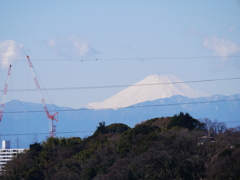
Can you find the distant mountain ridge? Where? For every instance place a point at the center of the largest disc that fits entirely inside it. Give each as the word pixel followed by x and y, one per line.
pixel 149 89
pixel 28 122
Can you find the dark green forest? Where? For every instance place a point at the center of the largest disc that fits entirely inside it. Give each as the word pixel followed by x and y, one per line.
pixel 178 147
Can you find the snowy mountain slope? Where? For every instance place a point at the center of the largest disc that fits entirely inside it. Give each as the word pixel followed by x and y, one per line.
pixel 149 89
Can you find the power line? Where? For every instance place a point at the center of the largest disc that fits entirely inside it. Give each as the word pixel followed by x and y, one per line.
pixel 131 58
pixel 129 107
pixel 76 132
pixel 46 133
pixel 126 85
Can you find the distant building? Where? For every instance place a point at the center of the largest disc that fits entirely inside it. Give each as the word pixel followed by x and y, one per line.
pixel 6 154
pixel 205 139
pixel 5 144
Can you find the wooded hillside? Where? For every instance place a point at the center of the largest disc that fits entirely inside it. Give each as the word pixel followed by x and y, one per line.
pixel 178 147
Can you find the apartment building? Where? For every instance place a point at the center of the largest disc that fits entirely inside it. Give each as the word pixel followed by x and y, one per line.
pixel 6 154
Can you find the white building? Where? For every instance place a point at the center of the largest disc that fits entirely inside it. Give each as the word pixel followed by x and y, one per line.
pixel 6 154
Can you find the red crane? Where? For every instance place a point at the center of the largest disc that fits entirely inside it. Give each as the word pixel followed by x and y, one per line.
pixel 52 127
pixel 5 92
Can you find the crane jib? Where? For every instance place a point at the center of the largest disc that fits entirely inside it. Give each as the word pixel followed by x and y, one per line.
pixel 52 129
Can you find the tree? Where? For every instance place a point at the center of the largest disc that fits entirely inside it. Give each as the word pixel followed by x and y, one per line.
pixel 117 128
pixel 113 128
pixel 185 121
pixel 213 127
pixel 144 152
pixel 101 129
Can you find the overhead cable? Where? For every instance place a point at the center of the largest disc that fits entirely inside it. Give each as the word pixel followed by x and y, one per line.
pixel 77 132
pixel 45 133
pixel 129 107
pixel 130 58
pixel 126 85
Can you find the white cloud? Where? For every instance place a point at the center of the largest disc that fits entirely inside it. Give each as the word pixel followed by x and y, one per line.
pixel 10 51
pixel 72 47
pixel 221 47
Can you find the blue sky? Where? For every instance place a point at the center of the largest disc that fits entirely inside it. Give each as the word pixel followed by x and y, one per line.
pixel 193 40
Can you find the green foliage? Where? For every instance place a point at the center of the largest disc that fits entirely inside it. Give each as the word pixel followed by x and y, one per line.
pixel 84 154
pixel 101 129
pixel 185 121
pixel 89 173
pixel 113 128
pixel 36 147
pixel 143 129
pixel 117 128
pixel 147 151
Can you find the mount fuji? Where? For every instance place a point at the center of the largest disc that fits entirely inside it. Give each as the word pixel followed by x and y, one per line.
pixel 151 88
pixel 154 96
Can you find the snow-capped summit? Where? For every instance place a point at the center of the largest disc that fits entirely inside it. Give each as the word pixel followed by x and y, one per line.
pixel 151 88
